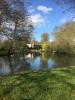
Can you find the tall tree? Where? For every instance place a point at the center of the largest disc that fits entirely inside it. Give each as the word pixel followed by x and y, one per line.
pixel 65 32
pixel 65 36
pixel 45 37
pixel 17 25
pixel 4 10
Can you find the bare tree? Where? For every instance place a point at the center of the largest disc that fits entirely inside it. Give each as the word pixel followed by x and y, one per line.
pixel 65 36
pixel 17 24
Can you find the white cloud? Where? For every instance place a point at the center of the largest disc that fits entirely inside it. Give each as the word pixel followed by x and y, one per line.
pixel 67 19
pixel 37 20
pixel 44 9
pixel 73 19
pixel 64 20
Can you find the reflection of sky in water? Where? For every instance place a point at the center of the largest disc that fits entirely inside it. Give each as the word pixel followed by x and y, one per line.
pixel 5 70
pixel 36 63
pixel 29 62
pixel 51 63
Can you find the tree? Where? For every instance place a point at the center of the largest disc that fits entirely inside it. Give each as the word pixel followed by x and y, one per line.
pixel 45 37
pixel 17 24
pixel 65 32
pixel 4 10
pixel 20 18
pixel 65 36
pixel 46 47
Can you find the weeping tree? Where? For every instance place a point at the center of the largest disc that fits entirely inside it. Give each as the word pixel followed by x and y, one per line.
pixel 17 24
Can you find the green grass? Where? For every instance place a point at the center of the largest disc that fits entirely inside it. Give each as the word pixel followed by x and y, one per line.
pixel 56 84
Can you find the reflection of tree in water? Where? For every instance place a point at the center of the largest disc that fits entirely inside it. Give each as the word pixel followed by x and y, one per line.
pixel 64 61
pixel 35 54
pixel 44 60
pixel 4 65
pixel 34 59
pixel 57 61
pixel 18 63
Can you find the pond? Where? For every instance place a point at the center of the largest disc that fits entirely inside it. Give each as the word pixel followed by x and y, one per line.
pixel 33 62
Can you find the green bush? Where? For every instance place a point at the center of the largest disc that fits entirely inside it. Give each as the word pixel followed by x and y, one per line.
pixel 46 46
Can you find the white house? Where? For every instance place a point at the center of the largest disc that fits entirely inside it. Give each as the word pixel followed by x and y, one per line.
pixel 29 45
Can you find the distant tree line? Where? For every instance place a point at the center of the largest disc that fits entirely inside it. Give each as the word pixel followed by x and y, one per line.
pixel 64 40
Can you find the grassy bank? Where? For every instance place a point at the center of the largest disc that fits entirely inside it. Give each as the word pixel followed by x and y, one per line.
pixel 56 84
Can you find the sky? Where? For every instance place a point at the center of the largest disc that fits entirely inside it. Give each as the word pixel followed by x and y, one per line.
pixel 46 15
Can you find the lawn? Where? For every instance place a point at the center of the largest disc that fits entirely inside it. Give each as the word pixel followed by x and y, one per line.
pixel 55 84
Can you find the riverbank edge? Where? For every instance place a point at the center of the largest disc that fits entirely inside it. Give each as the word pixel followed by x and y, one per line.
pixel 39 71
pixel 7 53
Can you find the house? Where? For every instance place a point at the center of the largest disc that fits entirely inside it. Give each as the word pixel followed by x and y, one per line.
pixel 34 45
pixel 31 45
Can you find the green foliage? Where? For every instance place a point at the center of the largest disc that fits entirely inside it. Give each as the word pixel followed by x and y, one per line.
pixel 46 46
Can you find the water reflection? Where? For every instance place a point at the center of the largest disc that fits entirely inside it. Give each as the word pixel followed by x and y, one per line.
pixel 33 61
pixel 4 66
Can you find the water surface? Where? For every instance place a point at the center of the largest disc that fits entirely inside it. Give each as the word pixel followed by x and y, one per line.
pixel 31 62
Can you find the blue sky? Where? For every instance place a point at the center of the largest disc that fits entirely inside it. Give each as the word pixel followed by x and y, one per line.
pixel 46 15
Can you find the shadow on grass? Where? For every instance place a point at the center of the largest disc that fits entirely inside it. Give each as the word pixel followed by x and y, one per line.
pixel 50 85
